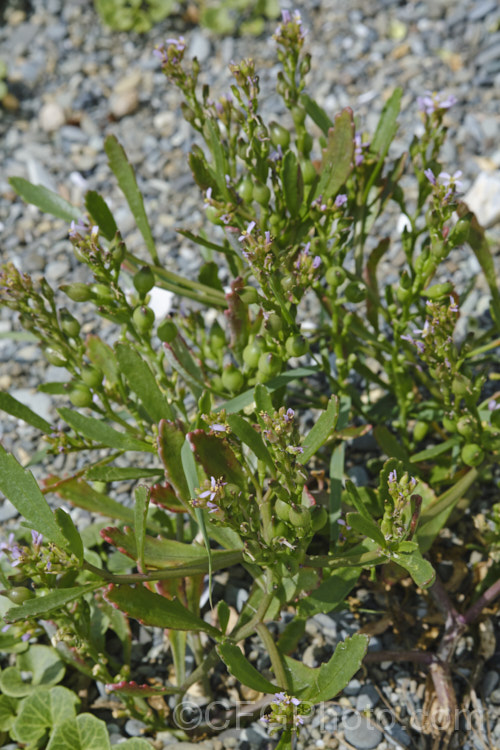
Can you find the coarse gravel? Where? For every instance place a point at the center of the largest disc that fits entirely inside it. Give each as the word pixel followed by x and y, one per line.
pixel 73 82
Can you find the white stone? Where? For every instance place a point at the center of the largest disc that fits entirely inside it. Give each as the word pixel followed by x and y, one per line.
pixel 483 198
pixel 51 117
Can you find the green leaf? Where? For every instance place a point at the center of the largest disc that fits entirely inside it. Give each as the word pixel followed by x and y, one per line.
pixel 293 184
pixel 44 663
pixel 143 382
pixel 83 732
pixel 42 710
pixel 321 431
pixel 180 360
pixel 248 397
pixel 68 528
pixel 356 501
pixel 46 200
pixel 337 161
pixel 128 185
pixel 170 443
pixel 223 614
pixel 263 401
pixel 20 487
pixel 366 526
pixel 100 213
pixel 101 432
pixel 420 570
pixel 239 666
pixel 191 474
pixel 316 113
pixel 219 158
pixel 80 493
pixel 390 444
pixel 8 712
pixel 331 593
pixel 103 357
pixel 246 433
pixel 433 451
pixel 285 742
pixel 157 611
pixel 142 495
pixel 387 126
pixel 337 461
pixel 43 605
pixel 16 409
pixel 120 473
pixel 326 681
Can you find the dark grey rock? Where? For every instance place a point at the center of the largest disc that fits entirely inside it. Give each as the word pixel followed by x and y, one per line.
pixel 360 733
pixel 367 698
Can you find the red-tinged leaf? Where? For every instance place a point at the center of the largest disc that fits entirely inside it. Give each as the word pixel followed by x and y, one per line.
pixel 216 457
pixel 164 496
pixel 237 316
pixel 170 441
pixel 337 161
pixel 139 691
pixel 154 610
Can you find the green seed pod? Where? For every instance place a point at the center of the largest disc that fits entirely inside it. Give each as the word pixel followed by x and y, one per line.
pixel 449 424
pixel 118 254
pixel 420 430
pixel 305 143
pixel 80 395
pixel 355 292
pixel 335 276
pixel 282 510
pixel 300 517
pixel 279 529
pixel 167 331
pixel 319 516
pixel 308 170
pixel 460 232
pixel 274 324
pixel 438 290
pixel 77 291
pixel 144 280
pixel 20 594
pixel 465 427
pixel 91 376
pixel 245 189
pixel 103 293
pixel 232 378
pixel 298 115
pixel 262 194
pixel 143 318
pixel 217 338
pixel 279 135
pixel 253 350
pixel 69 323
pixel 472 454
pixel 269 364
pixel 461 385
pixel 55 357
pixel 296 346
pixel 212 215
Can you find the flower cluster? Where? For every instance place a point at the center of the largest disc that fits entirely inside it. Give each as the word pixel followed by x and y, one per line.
pixel 396 520
pixel 433 102
pixel 210 492
pixel 290 33
pixel 446 186
pixel 286 712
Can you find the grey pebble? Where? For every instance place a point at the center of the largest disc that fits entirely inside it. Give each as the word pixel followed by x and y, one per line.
pixel 135 728
pixel 40 403
pixel 490 681
pixel 367 698
pixel 353 687
pixel 360 733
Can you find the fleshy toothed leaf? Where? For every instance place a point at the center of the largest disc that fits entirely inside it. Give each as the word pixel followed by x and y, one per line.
pixel 141 494
pixel 46 200
pixel 41 711
pixel 316 113
pixel 157 611
pixel 337 161
pixel 142 382
pixel 20 487
pixel 139 691
pixel 101 432
pixel 366 526
pixel 41 606
pixel 387 126
pixel 248 435
pixel 217 457
pixel 82 495
pixel 331 593
pixel 325 682
pixel 434 451
pixel 239 666
pixel 125 176
pixel 321 431
pixel 170 441
pixel 18 410
pixel 100 213
pixel 420 570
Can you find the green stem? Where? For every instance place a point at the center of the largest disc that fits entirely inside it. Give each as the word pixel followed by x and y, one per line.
pixel 275 656
pixel 239 633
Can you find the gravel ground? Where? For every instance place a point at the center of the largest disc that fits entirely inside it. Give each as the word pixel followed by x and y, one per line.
pixel 74 82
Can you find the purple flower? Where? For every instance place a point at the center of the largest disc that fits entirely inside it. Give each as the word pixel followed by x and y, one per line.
pixel 179 44
pixel 451 181
pixel 432 102
pixel 340 200
pixel 246 232
pixel 393 477
pixel 279 697
pixel 36 538
pixel 285 16
pixel 26 636
pixel 453 305
pixel 295 701
pixel 212 507
pixel 430 176
pixel 289 415
pixel 316 262
pixel 218 427
pixel 493 405
pixel 78 228
pixel 267 237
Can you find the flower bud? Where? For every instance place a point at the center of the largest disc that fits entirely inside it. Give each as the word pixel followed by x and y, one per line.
pixel 436 291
